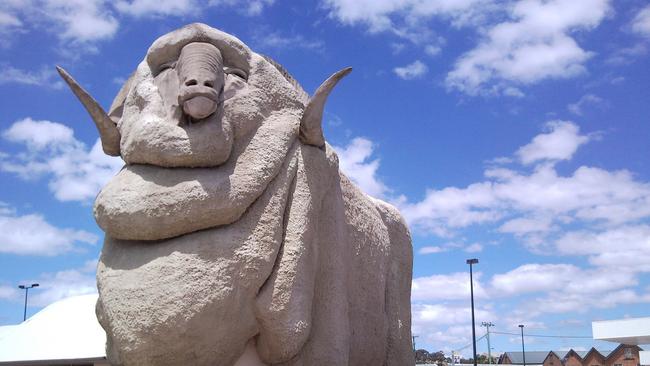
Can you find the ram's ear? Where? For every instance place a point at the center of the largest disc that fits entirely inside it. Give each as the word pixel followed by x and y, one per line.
pixel 116 109
pixel 108 132
pixel 311 125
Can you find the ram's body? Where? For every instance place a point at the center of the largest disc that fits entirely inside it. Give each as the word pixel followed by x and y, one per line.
pixel 236 239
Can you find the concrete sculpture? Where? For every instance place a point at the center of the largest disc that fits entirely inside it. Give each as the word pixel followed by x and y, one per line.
pixel 231 236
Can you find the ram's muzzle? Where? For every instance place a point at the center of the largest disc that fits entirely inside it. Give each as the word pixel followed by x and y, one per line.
pixel 201 76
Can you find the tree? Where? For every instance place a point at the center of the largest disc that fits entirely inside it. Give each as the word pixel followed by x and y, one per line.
pixel 484 359
pixel 423 356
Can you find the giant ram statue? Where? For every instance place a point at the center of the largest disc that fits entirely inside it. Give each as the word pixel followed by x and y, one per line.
pixel 232 238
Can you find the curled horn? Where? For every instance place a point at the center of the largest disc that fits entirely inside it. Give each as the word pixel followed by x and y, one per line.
pixel 108 132
pixel 311 125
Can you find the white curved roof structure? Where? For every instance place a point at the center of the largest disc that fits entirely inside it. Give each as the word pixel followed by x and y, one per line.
pixel 627 331
pixel 66 332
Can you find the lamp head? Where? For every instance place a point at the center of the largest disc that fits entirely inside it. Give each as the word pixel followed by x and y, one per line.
pixel 472 261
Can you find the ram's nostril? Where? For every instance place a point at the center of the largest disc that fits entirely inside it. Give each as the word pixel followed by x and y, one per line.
pixel 191 82
pixel 209 84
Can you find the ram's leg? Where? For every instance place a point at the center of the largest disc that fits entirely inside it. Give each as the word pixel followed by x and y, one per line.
pixel 284 303
pixel 398 288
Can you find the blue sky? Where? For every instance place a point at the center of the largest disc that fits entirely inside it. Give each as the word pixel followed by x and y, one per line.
pixel 512 131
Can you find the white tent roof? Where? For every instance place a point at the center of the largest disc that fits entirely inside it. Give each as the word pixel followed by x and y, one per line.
pixel 627 331
pixel 65 330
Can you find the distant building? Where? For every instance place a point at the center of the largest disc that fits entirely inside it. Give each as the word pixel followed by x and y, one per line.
pixel 623 355
pixel 532 358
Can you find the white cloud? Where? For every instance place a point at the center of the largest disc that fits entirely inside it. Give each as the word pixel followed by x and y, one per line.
pixel 354 162
pixel 144 8
pixel 451 245
pixel 256 7
pixel 75 173
pixel 63 284
pixel 560 278
pixel 9 20
pixel 56 286
pixel 397 47
pixel 453 286
pixel 8 292
pixel 511 91
pixel 641 22
pixel 393 15
pixel 432 50
pixel 445 337
pixel 565 302
pixel 81 20
pixel 80 24
pixel 432 250
pixel 566 288
pixel 414 70
pixel 541 201
pixel 588 99
pixel 45 77
pixel 535 45
pixel 439 314
pixel 411 19
pixel 75 22
pixel 32 235
pixel 247 7
pixel 39 135
pixel 276 40
pixel 453 207
pixel 474 248
pixel 560 143
pixel 446 323
pixel 625 247
pixel 589 194
pixel 527 225
pixel 628 55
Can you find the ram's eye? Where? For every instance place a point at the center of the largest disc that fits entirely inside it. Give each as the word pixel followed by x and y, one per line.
pixel 166 66
pixel 237 72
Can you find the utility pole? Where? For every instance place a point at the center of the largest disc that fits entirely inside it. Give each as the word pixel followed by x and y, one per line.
pixel 414 352
pixel 488 325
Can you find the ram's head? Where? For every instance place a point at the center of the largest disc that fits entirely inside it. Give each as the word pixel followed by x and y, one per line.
pixel 195 94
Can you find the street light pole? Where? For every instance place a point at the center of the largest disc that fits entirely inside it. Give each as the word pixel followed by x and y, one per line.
pixel 414 351
pixel 523 349
pixel 471 289
pixel 26 288
pixel 488 325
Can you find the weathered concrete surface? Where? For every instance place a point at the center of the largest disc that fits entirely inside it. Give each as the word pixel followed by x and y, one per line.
pixel 232 238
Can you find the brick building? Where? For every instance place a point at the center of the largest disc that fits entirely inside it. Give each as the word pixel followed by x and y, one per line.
pixel 623 355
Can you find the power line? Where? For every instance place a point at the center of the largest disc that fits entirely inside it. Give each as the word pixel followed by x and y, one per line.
pixel 516 334
pixel 542 335
pixel 468 345
pixel 487 335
